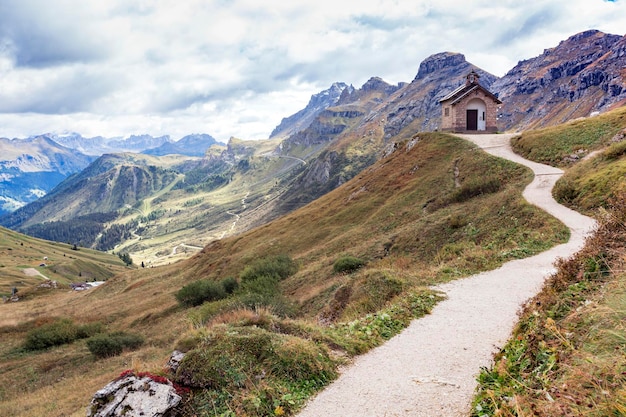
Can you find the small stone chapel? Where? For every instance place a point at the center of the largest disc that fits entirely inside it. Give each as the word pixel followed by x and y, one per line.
pixel 471 108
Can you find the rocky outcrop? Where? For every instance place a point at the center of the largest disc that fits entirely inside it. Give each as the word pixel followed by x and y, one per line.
pixel 375 89
pixel 320 170
pixel 438 63
pixel 581 75
pixel 418 103
pixel 318 103
pixel 134 396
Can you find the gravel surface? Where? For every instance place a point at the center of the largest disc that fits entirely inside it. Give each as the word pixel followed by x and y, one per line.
pixel 430 368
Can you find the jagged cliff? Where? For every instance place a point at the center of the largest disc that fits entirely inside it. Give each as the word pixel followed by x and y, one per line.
pixel 303 118
pixel 438 75
pixel 582 75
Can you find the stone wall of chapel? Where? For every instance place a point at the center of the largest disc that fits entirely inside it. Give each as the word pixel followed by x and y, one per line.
pixel 458 114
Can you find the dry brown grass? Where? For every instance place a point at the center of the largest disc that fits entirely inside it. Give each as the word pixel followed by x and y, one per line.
pixel 396 215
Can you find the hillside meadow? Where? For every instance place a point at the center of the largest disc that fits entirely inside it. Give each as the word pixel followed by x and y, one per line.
pixel 26 262
pixel 313 289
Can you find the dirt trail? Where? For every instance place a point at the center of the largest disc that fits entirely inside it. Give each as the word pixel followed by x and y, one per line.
pixel 430 368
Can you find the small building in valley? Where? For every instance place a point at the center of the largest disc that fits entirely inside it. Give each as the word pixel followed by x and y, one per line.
pixel 471 108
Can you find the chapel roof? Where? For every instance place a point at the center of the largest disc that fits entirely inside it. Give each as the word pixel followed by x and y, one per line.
pixel 461 92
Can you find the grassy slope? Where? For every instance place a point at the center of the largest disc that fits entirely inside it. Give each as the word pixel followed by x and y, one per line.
pixel 553 144
pixel 19 252
pixel 404 216
pixel 566 356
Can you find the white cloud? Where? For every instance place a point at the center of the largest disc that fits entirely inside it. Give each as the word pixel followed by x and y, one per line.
pixel 236 67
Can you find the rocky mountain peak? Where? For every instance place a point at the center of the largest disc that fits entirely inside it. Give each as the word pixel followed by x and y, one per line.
pixel 583 35
pixel 375 84
pixel 317 103
pixel 585 69
pixel 438 62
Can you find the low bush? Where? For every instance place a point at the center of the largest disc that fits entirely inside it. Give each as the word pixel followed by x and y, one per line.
pixel 265 373
pixel 199 292
pixel 371 291
pixel 58 333
pixel 615 151
pixel 229 284
pixel 347 264
pixel 278 267
pixel 107 345
pixel 277 303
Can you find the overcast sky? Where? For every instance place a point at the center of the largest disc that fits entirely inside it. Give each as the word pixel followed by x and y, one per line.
pixel 237 67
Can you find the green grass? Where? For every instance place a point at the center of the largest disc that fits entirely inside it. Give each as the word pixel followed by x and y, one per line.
pixel 589 185
pixel 566 356
pixel 553 144
pixel 19 252
pixel 255 363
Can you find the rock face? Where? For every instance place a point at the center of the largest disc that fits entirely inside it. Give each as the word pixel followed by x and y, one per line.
pixel 135 396
pixel 444 61
pixel 418 104
pixel 583 74
pixel 317 103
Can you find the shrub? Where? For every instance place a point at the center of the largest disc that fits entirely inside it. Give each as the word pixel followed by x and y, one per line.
pixel 615 151
pixel 263 285
pixel 107 345
pixel 57 333
pixel 237 356
pixel 125 257
pixel 103 345
pixel 348 264
pixel 276 303
pixel 230 284
pixel 89 330
pixel 278 267
pixel 264 291
pixel 198 292
pixel 372 291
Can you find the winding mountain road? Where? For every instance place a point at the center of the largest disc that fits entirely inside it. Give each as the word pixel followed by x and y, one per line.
pixel 430 368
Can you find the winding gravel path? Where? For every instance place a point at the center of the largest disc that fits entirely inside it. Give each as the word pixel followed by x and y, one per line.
pixel 430 368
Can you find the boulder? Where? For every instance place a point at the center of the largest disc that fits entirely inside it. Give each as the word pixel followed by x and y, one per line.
pixel 135 396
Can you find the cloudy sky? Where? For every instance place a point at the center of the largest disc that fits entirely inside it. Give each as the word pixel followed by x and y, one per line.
pixel 236 67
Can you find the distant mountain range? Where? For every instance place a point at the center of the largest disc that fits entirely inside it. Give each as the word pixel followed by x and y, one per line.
pixel 318 103
pixel 342 130
pixel 191 145
pixel 31 167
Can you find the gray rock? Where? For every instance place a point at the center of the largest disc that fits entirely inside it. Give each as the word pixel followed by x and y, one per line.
pixel 174 362
pixel 133 396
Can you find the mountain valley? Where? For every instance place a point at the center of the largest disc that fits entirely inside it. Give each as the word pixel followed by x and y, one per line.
pixel 230 188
